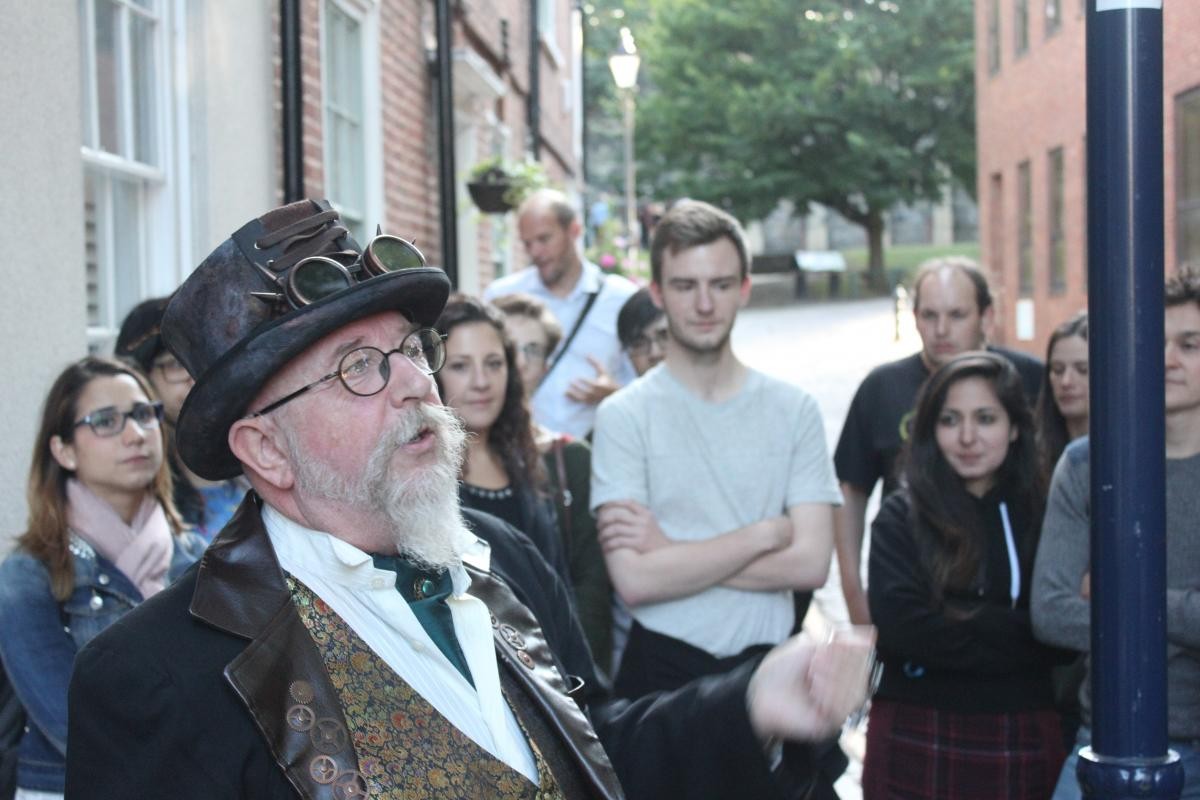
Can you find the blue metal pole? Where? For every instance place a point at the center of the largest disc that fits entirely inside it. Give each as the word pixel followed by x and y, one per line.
pixel 1128 757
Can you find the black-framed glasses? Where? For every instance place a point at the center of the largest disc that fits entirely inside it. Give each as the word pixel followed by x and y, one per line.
pixel 317 277
pixel 364 371
pixel 641 345
pixel 172 371
pixel 109 421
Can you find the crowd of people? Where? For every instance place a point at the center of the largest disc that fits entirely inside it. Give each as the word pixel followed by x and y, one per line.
pixel 322 528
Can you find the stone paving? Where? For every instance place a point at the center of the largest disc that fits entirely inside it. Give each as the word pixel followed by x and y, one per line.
pixel 827 349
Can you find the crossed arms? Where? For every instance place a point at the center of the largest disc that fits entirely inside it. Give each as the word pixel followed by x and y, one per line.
pixel 790 551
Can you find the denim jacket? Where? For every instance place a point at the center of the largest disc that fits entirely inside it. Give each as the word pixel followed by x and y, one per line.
pixel 39 638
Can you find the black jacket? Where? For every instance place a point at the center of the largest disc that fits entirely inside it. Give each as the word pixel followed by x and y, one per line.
pixel 185 696
pixel 973 652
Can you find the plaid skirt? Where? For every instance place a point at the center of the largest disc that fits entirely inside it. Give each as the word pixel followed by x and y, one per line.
pixel 920 753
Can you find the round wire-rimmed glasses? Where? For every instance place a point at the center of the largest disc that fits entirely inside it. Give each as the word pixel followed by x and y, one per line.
pixel 364 371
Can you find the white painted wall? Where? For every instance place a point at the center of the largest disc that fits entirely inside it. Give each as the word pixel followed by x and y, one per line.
pixel 42 322
pixel 232 107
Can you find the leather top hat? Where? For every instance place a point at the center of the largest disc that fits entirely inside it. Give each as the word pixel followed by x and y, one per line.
pixel 241 316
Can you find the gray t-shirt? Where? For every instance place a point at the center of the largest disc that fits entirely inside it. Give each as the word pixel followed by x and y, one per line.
pixel 704 469
pixel 1061 615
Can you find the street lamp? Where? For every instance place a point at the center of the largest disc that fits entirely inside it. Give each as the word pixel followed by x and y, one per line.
pixel 624 65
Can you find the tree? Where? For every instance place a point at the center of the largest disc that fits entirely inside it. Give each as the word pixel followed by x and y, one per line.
pixel 854 104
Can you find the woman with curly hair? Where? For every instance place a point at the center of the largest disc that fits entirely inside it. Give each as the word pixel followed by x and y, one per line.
pixel 965 707
pixel 503 472
pixel 103 536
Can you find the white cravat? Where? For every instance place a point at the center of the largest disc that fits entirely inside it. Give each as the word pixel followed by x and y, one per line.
pixel 365 597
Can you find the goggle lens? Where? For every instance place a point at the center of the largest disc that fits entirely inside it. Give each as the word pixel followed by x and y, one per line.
pixel 315 278
pixel 391 254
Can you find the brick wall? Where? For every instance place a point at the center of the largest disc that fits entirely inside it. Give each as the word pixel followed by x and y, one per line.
pixel 1036 102
pixel 408 111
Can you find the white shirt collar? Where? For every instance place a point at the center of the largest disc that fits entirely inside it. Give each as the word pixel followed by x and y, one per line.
pixel 340 562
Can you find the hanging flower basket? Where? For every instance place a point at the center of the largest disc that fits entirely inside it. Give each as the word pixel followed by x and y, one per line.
pixel 491 198
pixel 497 186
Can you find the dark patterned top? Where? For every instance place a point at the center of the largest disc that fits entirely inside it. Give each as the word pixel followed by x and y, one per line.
pixel 405 748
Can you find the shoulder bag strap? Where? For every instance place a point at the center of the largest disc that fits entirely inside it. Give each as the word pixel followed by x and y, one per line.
pixel 562 350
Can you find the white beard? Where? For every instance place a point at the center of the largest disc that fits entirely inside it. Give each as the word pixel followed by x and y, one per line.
pixel 422 507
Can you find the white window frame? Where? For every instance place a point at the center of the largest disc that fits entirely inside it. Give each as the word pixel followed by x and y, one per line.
pixel 547 24
pixel 162 188
pixel 366 14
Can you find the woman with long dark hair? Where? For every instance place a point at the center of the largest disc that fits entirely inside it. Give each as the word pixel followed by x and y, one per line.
pixel 1062 409
pixel 504 473
pixel 965 707
pixel 103 536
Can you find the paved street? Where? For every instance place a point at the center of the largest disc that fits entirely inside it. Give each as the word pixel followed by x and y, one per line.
pixel 827 349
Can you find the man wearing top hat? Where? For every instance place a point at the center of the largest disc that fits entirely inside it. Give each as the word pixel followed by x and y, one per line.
pixel 351 633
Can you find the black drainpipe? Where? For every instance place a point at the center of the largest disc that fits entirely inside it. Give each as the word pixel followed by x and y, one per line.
pixel 293 101
pixel 535 84
pixel 446 170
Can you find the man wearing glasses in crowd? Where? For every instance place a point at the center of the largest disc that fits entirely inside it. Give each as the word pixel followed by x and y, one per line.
pixel 643 332
pixel 352 633
pixel 205 505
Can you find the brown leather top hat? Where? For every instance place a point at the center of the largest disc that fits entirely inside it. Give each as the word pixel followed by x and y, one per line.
pixel 246 311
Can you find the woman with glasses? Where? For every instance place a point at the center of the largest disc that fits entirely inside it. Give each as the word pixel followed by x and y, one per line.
pixel 965 707
pixel 205 505
pixel 540 485
pixel 103 536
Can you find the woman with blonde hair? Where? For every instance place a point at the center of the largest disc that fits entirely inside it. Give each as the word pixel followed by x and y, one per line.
pixel 103 536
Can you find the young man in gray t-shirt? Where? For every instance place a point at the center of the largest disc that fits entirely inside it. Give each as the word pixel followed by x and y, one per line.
pixel 713 486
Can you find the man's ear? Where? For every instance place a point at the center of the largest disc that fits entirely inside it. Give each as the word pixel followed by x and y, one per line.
pixel 656 294
pixel 744 291
pixel 256 443
pixel 986 320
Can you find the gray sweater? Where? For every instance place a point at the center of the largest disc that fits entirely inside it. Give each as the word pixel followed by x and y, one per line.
pixel 1061 615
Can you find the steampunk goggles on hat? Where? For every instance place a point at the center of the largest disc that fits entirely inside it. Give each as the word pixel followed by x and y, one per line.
pixel 303 279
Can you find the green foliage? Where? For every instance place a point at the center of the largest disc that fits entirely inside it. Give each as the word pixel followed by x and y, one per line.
pixel 903 259
pixel 855 104
pixel 522 177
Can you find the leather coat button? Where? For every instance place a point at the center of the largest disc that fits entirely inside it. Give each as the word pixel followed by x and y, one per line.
pixel 323 770
pixel 95 603
pixel 350 785
pixel 300 718
pixel 525 659
pixel 301 692
pixel 328 736
pixel 510 635
pixel 103 579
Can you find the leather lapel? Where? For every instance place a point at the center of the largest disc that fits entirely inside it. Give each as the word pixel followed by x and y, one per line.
pixel 523 651
pixel 280 676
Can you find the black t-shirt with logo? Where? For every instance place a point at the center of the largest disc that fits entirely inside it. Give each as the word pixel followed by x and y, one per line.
pixel 880 413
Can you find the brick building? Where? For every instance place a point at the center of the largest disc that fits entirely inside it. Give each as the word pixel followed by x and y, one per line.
pixel 1032 178
pixel 141 133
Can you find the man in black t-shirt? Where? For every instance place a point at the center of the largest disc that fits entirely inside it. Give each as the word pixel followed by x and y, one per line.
pixel 953 310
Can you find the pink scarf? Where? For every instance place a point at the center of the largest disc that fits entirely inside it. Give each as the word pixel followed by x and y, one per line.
pixel 142 550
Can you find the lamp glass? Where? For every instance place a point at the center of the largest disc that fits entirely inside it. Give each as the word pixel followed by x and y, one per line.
pixel 624 68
